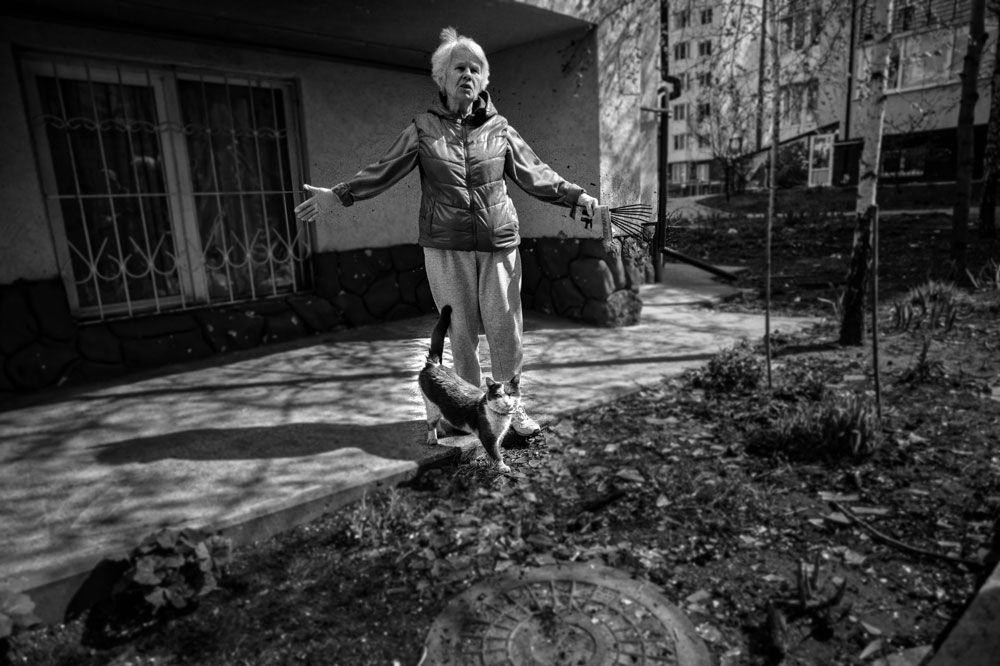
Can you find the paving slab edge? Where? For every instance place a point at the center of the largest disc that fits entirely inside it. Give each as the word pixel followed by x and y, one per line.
pixel 974 640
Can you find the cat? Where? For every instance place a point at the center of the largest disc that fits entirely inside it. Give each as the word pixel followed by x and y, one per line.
pixel 458 403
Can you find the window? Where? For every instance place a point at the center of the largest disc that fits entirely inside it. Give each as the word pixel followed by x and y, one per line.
pixel 704 142
pixel 801 26
pixel 924 59
pixel 680 51
pixel 706 16
pixel 679 172
pixel 812 96
pixel 799 101
pixel 682 19
pixel 704 111
pixel 705 79
pixel 167 189
pixel 680 111
pixel 791 104
pixel 917 60
pixel 906 18
pixel 793 33
pixel 704 48
pixel 680 142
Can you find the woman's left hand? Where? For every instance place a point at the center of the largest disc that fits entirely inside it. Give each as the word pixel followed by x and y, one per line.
pixel 588 203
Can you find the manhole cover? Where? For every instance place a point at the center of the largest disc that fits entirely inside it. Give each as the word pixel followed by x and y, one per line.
pixel 563 615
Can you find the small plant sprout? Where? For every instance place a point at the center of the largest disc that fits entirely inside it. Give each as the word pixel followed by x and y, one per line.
pixel 932 305
pixel 842 427
pixel 924 369
pixel 165 575
pixel 737 369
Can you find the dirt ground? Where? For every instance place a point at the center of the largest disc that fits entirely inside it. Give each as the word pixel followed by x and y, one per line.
pixel 779 556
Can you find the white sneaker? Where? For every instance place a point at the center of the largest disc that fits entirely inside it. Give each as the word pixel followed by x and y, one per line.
pixel 523 424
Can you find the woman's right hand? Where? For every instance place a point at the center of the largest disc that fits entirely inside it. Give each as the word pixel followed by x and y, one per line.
pixel 320 203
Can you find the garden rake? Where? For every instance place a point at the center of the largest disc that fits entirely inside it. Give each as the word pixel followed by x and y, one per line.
pixel 622 222
pixel 632 221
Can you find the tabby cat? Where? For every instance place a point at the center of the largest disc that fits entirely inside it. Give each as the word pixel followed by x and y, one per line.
pixel 458 403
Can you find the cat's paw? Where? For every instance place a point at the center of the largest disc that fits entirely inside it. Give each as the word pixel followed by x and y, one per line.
pixel 502 467
pixel 432 438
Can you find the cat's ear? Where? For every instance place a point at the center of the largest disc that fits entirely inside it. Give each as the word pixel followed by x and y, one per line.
pixel 515 381
pixel 490 383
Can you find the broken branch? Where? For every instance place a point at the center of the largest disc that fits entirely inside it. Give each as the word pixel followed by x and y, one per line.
pixel 895 543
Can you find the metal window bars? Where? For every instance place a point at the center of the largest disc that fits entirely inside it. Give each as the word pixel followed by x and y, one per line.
pixel 167 189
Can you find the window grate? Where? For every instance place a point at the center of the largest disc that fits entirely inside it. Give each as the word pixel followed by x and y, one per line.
pixel 167 189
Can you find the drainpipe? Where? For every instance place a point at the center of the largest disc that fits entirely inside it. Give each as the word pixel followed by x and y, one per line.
pixel 659 232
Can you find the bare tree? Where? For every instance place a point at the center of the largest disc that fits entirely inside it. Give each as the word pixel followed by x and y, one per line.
pixel 726 124
pixel 852 326
pixel 731 100
pixel 966 126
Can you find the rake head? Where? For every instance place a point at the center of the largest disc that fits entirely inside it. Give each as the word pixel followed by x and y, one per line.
pixel 622 222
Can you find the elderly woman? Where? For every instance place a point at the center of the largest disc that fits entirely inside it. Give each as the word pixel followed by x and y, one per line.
pixel 468 226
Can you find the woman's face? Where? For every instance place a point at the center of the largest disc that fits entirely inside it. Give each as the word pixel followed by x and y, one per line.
pixel 463 80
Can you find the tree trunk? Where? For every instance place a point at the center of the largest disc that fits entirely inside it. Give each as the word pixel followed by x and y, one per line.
pixel 852 325
pixel 772 181
pixel 991 162
pixel 966 126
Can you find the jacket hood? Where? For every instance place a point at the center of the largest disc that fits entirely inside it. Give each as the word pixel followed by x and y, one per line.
pixel 482 109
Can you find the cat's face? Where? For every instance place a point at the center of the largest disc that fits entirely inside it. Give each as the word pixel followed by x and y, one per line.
pixel 504 397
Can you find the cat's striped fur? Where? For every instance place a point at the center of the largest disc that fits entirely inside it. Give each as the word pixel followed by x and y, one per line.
pixel 456 402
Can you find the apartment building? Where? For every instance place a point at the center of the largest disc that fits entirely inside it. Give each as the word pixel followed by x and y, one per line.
pixel 723 54
pixel 696 46
pixel 923 90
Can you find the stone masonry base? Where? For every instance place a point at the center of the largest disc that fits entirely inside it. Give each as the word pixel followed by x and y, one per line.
pixel 42 344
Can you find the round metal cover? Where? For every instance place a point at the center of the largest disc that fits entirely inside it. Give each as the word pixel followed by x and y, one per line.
pixel 563 615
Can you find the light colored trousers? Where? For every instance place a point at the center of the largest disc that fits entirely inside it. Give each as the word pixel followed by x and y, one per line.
pixel 484 290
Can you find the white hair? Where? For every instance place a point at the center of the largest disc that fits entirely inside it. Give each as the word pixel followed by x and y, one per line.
pixel 450 40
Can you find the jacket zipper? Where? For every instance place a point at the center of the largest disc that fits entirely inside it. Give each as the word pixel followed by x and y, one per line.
pixel 468 183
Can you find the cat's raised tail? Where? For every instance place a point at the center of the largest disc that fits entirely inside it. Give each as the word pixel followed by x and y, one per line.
pixel 436 352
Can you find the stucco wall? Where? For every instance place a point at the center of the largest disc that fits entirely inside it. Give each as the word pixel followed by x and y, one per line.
pixel 548 95
pixel 26 250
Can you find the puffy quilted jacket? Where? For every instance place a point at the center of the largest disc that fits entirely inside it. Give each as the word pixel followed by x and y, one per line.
pixel 463 164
